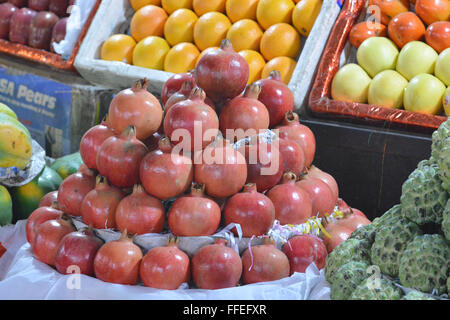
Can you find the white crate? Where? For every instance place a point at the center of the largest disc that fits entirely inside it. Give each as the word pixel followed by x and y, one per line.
pixel 113 16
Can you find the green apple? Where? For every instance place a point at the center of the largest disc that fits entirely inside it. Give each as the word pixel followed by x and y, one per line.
pixel 376 54
pixel 442 67
pixel 386 89
pixel 416 57
pixel 446 102
pixel 350 84
pixel 423 94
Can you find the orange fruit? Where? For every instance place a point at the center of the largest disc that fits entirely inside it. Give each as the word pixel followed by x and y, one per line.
pixel 173 5
pixel 181 58
pixel 433 10
pixel 305 14
pixel 279 40
pixel 241 9
pixel 270 12
pixel 118 47
pixel 137 4
pixel 150 53
pixel 179 26
pixel 203 53
pixel 245 34
pixel 204 6
pixel 284 65
pixel 210 29
pixel 148 21
pixel 255 62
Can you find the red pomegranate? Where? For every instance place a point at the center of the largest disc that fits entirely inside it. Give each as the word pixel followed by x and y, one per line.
pixel 119 158
pixel 264 263
pixel 99 206
pixel 91 142
pixel 194 215
pixel 118 261
pixel 41 28
pixel 6 12
pixel 48 199
pixel 293 156
pixel 343 206
pixel 152 142
pixel 276 96
pixel 165 267
pixel 59 7
pixel 291 128
pixel 19 26
pixel 314 172
pixel 48 236
pixel 174 83
pixel 216 266
pixel 222 73
pixel 353 220
pixel 72 191
pixel 192 122
pixel 140 213
pixel 165 174
pixel 136 107
pixel 180 95
pixel 39 216
pixel 245 113
pixel 254 211
pixel 292 205
pixel 336 234
pixel 221 168
pixel 78 249
pixel 302 250
pixel 38 5
pixel 323 199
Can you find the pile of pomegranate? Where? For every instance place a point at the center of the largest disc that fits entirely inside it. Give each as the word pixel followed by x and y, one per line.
pixel 135 181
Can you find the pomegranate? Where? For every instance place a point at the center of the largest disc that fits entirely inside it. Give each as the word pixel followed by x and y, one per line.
pixel 73 189
pixel 48 236
pixel 165 174
pixel 78 249
pixel 41 29
pixel 292 129
pixel 343 206
pixel 48 199
pixel 252 210
pixel 38 5
pixel 314 172
pixel 165 267
pixel 180 95
pixel 323 199
pixel 292 204
pixel 222 73
pixel 216 266
pixel 58 33
pixel 91 142
pixel 192 122
pixel 152 142
pixel 17 3
pixel 264 263
pixel 336 234
pixel 99 206
pixel 353 220
pixel 264 164
pixel 118 261
pixel 276 96
pixel 293 156
pixel 119 158
pixel 6 12
pixel 221 168
pixel 174 83
pixel 359 213
pixel 59 7
pixel 138 107
pixel 245 112
pixel 19 25
pixel 39 216
pixel 302 250
pixel 194 215
pixel 140 213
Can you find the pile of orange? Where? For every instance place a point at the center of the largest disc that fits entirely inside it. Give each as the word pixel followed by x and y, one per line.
pixel 172 35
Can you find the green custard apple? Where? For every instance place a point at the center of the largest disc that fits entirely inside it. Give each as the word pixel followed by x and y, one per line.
pixel 416 295
pixel 369 289
pixel 446 221
pixel 424 265
pixel 347 278
pixel 366 232
pixel 423 199
pixel 440 151
pixel 346 251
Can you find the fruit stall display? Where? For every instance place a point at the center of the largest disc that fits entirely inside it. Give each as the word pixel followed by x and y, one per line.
pixel 395 69
pixel 30 28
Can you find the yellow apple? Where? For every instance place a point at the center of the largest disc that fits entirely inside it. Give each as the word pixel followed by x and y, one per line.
pixel 442 68
pixel 416 57
pixel 350 84
pixel 377 54
pixel 386 89
pixel 423 94
pixel 446 102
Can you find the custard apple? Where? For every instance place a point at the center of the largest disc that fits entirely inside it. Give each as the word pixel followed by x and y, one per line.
pixel 346 251
pixel 366 232
pixel 417 295
pixel 424 265
pixel 440 151
pixel 391 216
pixel 347 278
pixel 446 221
pixel 423 198
pixel 390 241
pixel 369 289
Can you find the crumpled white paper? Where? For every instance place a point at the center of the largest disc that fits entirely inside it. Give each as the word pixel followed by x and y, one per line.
pixel 80 12
pixel 23 277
